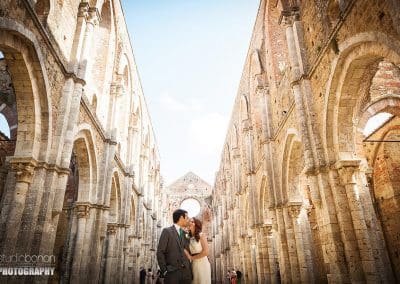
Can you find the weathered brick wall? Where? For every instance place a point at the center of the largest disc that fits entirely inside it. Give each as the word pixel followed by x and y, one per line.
pixel 327 69
pixel 61 22
pixel 40 44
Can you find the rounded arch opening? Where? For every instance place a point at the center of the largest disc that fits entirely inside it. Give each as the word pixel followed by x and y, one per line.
pixel 350 89
pixel 29 84
pixel 114 200
pixel 362 87
pixel 192 206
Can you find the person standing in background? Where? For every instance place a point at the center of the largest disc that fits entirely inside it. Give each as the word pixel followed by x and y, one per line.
pixel 142 275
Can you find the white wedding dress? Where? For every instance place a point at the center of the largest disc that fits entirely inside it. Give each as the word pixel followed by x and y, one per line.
pixel 201 267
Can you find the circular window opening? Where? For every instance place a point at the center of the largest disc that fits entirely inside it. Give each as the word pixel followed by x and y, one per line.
pixel 192 206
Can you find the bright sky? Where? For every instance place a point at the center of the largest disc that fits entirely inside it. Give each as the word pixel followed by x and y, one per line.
pixel 192 206
pixel 190 55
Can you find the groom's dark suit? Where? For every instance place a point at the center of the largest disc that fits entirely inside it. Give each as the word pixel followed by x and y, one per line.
pixel 171 257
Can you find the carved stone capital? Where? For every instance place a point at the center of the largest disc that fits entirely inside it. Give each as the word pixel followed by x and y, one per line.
pixel 295 14
pixel 288 17
pixel 285 19
pixel 82 210
pixel 111 228
pixel 267 229
pixel 24 169
pixel 131 237
pixel 93 16
pixel 347 169
pixel 294 209
pixel 83 9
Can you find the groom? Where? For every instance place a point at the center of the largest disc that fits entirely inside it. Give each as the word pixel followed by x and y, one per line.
pixel 174 264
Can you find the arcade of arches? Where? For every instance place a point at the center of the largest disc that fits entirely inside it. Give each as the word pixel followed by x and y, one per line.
pixel 79 165
pixel 308 187
pixel 309 165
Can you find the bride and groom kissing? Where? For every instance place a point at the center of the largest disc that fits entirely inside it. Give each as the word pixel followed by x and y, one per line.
pixel 182 256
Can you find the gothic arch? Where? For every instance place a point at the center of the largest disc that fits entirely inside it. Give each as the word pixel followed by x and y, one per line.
pixel 102 51
pixel 124 70
pixel 292 147
pixel 26 65
pixel 115 199
pixel 227 156
pixel 234 137
pixel 135 122
pixel 263 200
pixel 132 215
pixel 244 108
pixel 84 149
pixel 357 55
pixel 257 74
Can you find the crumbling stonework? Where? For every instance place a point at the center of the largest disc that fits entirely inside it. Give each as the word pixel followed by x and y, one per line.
pixel 189 186
pixel 301 194
pixel 81 176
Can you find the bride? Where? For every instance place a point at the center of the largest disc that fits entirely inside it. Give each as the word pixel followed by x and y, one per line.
pixel 198 253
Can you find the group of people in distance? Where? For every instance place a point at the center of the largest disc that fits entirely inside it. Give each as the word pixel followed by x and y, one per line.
pixel 182 251
pixel 233 277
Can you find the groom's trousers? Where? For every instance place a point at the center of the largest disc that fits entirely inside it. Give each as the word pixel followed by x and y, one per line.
pixel 176 278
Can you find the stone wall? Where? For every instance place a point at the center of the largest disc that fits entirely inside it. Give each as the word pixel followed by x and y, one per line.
pixel 83 183
pixel 305 198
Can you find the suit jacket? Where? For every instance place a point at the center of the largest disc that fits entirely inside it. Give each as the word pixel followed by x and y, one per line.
pixel 170 253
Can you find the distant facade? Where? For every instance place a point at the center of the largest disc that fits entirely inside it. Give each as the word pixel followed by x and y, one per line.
pixel 304 193
pixel 80 169
pixel 190 186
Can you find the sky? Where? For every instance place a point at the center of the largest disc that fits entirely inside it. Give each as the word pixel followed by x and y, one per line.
pixel 190 56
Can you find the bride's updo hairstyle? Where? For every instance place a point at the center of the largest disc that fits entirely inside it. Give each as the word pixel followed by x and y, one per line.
pixel 197 229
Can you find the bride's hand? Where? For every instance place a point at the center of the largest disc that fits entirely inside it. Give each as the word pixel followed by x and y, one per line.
pixel 188 255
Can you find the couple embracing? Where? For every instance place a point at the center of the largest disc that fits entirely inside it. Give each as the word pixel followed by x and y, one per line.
pixel 182 256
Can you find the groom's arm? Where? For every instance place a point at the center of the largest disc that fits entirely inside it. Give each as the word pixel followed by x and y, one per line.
pixel 162 250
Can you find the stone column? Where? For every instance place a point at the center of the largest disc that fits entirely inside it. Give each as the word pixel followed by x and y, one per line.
pixel 315 166
pixel 305 271
pixel 266 250
pixel 92 20
pixel 254 256
pixel 291 245
pixel 284 260
pixel 235 256
pixel 375 230
pixel 110 265
pixel 261 254
pixel 76 51
pixel 24 171
pixel 271 269
pixel 218 269
pixel 268 147
pixel 82 212
pixel 91 246
pixel 98 241
pixel 348 169
pixel 248 267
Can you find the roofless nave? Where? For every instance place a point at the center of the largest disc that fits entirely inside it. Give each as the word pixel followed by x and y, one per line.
pixel 301 195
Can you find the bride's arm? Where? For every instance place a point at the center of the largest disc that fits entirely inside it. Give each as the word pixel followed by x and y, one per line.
pixel 188 255
pixel 204 245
